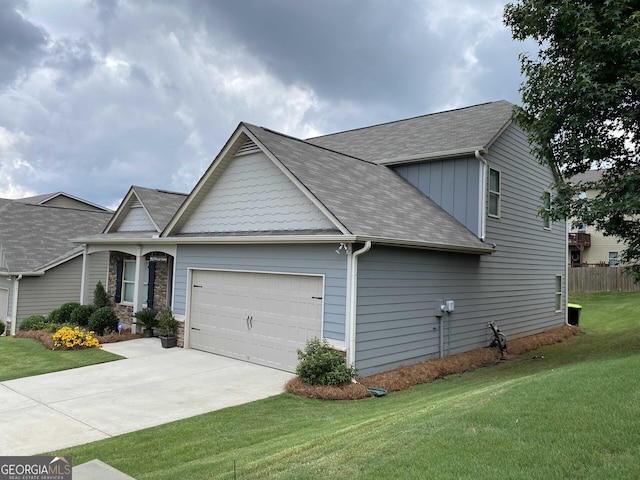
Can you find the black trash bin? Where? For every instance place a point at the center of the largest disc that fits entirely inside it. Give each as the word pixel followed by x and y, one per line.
pixel 574 313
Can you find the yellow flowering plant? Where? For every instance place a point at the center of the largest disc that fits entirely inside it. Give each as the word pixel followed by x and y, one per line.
pixel 74 339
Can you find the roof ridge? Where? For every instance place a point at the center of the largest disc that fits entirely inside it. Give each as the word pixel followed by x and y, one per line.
pixel 316 146
pixel 406 119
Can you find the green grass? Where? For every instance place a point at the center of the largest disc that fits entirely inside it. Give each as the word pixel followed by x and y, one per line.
pixel 24 357
pixel 573 414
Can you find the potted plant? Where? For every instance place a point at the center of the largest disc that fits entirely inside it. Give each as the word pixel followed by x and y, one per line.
pixel 147 318
pixel 168 326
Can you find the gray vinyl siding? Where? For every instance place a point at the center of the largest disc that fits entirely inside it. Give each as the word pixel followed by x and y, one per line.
pixel 453 184
pixel 301 259
pixel 400 289
pixel 61 284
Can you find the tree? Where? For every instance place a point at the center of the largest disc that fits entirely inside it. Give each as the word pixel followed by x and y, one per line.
pixel 100 297
pixel 581 106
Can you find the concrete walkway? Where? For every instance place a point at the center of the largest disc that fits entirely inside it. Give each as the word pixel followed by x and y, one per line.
pixel 152 386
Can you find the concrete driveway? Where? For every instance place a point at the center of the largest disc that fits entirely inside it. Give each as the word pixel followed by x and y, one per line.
pixel 150 387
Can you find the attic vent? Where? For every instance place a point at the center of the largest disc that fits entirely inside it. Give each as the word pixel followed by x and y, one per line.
pixel 136 204
pixel 247 148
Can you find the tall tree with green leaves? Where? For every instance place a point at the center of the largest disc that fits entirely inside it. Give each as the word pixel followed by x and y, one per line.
pixel 581 106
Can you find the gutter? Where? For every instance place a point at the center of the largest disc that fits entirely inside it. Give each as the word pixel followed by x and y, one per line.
pixel 352 298
pixel 483 194
pixel 14 306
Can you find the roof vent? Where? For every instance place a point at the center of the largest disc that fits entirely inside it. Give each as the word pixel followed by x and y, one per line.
pixel 247 148
pixel 136 204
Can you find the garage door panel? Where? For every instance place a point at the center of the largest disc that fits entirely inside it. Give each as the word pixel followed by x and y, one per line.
pixel 263 318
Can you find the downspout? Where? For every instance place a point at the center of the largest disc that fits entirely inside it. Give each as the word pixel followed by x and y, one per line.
pixel 483 194
pixel 14 307
pixel 352 300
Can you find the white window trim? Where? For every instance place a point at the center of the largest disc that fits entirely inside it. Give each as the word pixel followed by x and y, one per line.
pixel 494 192
pixel 558 294
pixel 546 215
pixel 145 284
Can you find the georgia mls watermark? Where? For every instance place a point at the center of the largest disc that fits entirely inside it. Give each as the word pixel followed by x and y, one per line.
pixel 35 468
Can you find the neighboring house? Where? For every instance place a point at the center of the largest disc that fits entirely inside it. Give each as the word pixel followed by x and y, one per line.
pixel 40 268
pixel 588 246
pixel 130 240
pixel 396 242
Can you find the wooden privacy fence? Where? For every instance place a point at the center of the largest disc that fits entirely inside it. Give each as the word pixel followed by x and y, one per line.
pixel 601 279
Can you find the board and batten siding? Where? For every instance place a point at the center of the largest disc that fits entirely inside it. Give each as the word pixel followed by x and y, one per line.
pixel 253 194
pixel 299 259
pixel 453 184
pixel 399 290
pixel 60 284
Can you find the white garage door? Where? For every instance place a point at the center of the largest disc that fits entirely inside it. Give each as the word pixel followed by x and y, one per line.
pixel 259 317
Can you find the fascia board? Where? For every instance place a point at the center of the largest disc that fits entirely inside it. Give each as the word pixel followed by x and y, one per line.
pixel 426 245
pixel 292 178
pixel 430 157
pixel 230 239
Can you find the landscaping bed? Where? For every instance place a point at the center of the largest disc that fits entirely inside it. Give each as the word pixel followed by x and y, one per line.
pixel 406 376
pixel 46 338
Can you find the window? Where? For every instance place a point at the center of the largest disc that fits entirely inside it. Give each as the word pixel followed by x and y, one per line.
pixel 546 210
pixel 558 293
pixel 129 281
pixel 494 193
pixel 613 259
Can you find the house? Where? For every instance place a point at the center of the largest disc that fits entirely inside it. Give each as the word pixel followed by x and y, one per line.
pixel 588 246
pixel 396 242
pixel 130 242
pixel 40 268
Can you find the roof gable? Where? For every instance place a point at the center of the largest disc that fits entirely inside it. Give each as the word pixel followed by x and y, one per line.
pixel 285 205
pixel 253 195
pixel 145 210
pixel 63 200
pixel 438 135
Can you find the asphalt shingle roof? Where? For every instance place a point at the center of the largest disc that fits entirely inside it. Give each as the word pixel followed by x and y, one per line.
pixel 464 129
pixel 161 204
pixel 34 235
pixel 368 199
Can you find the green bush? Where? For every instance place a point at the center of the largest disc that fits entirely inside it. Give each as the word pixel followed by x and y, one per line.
pixel 167 323
pixel 100 297
pixel 103 319
pixel 80 316
pixel 321 364
pixel 2 327
pixel 34 322
pixel 63 314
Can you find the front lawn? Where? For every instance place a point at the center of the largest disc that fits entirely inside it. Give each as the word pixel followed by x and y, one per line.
pixel 568 410
pixel 24 357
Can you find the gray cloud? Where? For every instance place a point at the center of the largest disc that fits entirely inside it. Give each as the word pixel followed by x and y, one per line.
pixel 106 93
pixel 21 42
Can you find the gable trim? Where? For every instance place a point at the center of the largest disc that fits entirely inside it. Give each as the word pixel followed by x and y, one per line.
pixel 232 148
pixel 131 200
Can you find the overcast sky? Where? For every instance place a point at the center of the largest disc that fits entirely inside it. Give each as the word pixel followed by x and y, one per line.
pixel 99 95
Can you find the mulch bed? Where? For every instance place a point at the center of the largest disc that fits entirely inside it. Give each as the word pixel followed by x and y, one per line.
pixel 46 338
pixel 407 376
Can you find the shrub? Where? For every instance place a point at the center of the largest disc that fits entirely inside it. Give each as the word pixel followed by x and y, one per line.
pixel 321 364
pixel 103 319
pixel 80 316
pixel 34 322
pixel 100 297
pixel 167 323
pixel 146 317
pixel 2 327
pixel 63 314
pixel 74 338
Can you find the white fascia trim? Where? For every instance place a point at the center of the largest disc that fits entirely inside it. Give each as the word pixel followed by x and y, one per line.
pixel 461 152
pixel 441 247
pixel 298 184
pixel 96 245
